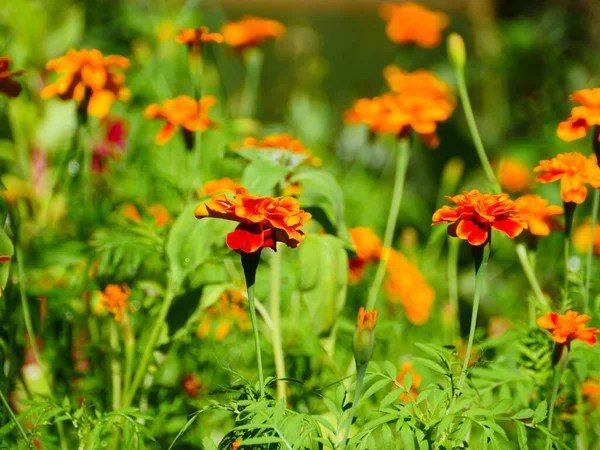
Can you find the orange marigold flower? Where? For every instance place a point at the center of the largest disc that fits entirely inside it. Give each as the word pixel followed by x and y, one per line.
pixel 195 38
pixel 407 367
pixel 263 221
pixel 182 111
pixel 366 319
pixel 539 216
pixel 191 385
pixel 368 249
pixel 250 31
pixel 410 22
pixel 574 171
pixel 213 187
pixel 591 390
pixel 114 299
pixel 514 175
pixel 89 72
pixel 582 117
pixel 237 444
pixel 568 327
pixel 476 214
pixel 282 141
pixel 229 310
pixel 8 86
pixel 581 238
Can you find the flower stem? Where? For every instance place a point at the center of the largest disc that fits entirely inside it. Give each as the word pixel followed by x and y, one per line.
pixel 15 420
pixel 533 282
pixel 115 366
pixel 559 370
pixel 129 339
pixel 253 59
pixel 276 329
pixel 402 157
pixel 360 378
pixel 590 252
pixel 453 251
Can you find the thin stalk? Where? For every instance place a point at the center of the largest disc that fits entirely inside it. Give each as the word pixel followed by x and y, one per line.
pixel 15 420
pixel 115 366
pixel 582 440
pixel 276 329
pixel 196 66
pixel 530 275
pixel 590 252
pixel 567 251
pixel 402 157
pixel 360 377
pixel 569 208
pixel 453 251
pixel 129 339
pixel 261 377
pixel 253 60
pixel 559 370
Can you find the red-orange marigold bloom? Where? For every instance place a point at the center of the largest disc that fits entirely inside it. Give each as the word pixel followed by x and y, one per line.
pixel 213 187
pixel 263 221
pixel 181 111
pixel 251 31
pixel 89 71
pixel 574 171
pixel 476 214
pixel 410 22
pixel 368 249
pixel 568 327
pixel 114 299
pixel 591 390
pixel 539 216
pixel 407 367
pixel 8 86
pixel 582 117
pixel 514 175
pixel 282 141
pixel 195 38
pixel 581 237
pixel 366 320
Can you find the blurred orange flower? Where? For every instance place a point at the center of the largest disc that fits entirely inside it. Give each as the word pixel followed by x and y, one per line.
pixel 539 216
pixel 160 213
pixel 114 299
pixel 282 141
pixel 498 325
pixel 181 111
pixel 230 309
pixel 88 72
pixel 368 249
pixel 213 187
pixel 250 31
pixel 581 237
pixel 406 285
pixel 8 86
pixel 410 22
pixel 476 214
pixel 195 38
pixel 191 385
pixel 582 117
pixel 591 390
pixel 407 367
pixel 568 327
pixel 574 171
pixel 514 175
pixel 263 221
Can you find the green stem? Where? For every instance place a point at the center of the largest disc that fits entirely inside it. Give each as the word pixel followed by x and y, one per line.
pixel 590 252
pixel 196 67
pixel 360 377
pixel 15 420
pixel 276 329
pixel 115 366
pixel 402 157
pixel 253 59
pixel 152 340
pixel 582 440
pixel 559 370
pixel 261 377
pixel 453 251
pixel 129 339
pixel 530 275
pixel 567 251
pixel 466 104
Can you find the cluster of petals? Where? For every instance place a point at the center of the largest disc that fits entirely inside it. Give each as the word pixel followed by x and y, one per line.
pixel 540 217
pixel 251 31
pixel 229 310
pixel 476 214
pixel 407 367
pixel 514 175
pixel 225 184
pixel 114 300
pixel 582 117
pixel 182 111
pixel 582 235
pixel 412 23
pixel 89 72
pixel 8 86
pixel 263 221
pixel 405 284
pixel 574 171
pixel 195 38
pixel 282 141
pixel 366 320
pixel 368 249
pixel 568 327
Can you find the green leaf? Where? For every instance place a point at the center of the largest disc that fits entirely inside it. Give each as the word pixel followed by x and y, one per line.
pixel 6 249
pixel 540 412
pixel 375 387
pixel 521 435
pixel 261 177
pixel 431 365
pixel 390 398
pixel 408 438
pixel 502 407
pixel 524 414
pixel 277 156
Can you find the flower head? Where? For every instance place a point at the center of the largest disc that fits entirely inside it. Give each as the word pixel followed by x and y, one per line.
pixel 182 111
pixel 195 38
pixel 8 86
pixel 410 22
pixel 582 117
pixel 568 327
pixel 282 141
pixel 213 187
pixel 114 299
pixel 368 249
pixel 263 221
pixel 88 72
pixel 574 171
pixel 514 175
pixel 364 336
pixel 540 216
pixel 407 367
pixel 251 31
pixel 366 319
pixel 581 238
pixel 476 214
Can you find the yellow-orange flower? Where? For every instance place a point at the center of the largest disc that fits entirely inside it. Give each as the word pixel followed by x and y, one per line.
pixel 581 238
pixel 407 367
pixel 282 141
pixel 514 175
pixel 539 216
pixel 582 117
pixel 406 285
pixel 368 249
pixel 8 86
pixel 251 31
pixel 263 221
pixel 160 213
pixel 114 299
pixel 213 187
pixel 476 214
pixel 574 171
pixel 229 310
pixel 195 38
pixel 182 111
pixel 89 72
pixel 591 390
pixel 568 327
pixel 410 22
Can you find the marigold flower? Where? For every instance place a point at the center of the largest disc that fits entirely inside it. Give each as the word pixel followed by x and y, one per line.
pixel 250 31
pixel 237 444
pixel 574 171
pixel 229 310
pixel 88 72
pixel 282 141
pixel 366 319
pixel 8 86
pixel 476 214
pixel 263 221
pixel 364 336
pixel 181 111
pixel 581 238
pixel 539 216
pixel 191 385
pixel 582 117
pixel 410 22
pixel 407 367
pixel 368 249
pixel 568 327
pixel 213 187
pixel 591 390
pixel 514 175
pixel 114 299
pixel 195 38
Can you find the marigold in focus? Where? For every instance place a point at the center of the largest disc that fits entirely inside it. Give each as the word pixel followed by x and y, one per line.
pixel 407 367
pixel 229 310
pixel 251 31
pixel 182 111
pixel 410 22
pixel 368 249
pixel 88 72
pixel 568 327
pixel 539 216
pixel 195 38
pixel 582 117
pixel 574 171
pixel 114 300
pixel 591 390
pixel 476 214
pixel 213 187
pixel 282 141
pixel 581 238
pixel 8 86
pixel 263 221
pixel 514 175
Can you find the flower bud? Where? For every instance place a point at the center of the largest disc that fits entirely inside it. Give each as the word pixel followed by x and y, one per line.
pixel 456 50
pixel 364 336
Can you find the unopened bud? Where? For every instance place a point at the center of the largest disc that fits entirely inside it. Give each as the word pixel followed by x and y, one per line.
pixel 364 336
pixel 456 50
